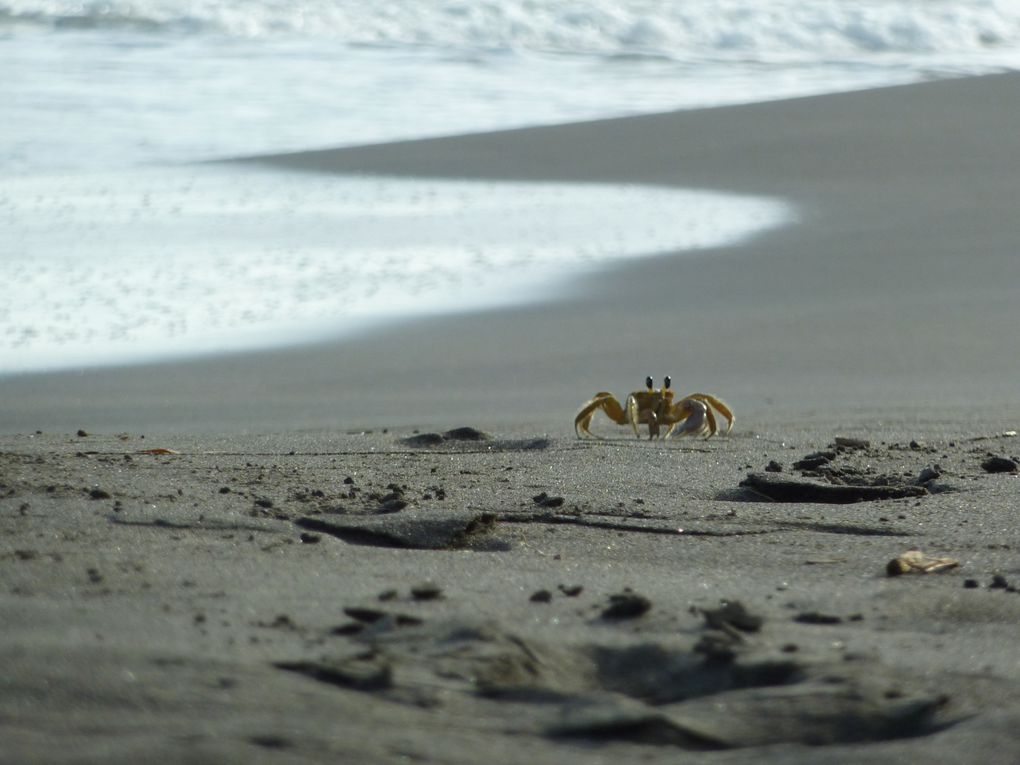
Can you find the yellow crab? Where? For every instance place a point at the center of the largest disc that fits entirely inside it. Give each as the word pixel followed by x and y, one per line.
pixel 693 415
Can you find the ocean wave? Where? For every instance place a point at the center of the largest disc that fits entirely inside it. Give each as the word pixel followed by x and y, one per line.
pixel 764 30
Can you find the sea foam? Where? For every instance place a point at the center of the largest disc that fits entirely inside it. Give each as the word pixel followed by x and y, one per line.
pixel 772 28
pixel 116 268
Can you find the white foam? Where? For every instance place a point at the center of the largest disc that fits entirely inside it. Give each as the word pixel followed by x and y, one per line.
pixel 678 30
pixel 113 268
pixel 112 83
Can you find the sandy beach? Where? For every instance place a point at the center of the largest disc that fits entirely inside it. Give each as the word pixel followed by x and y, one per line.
pixel 297 576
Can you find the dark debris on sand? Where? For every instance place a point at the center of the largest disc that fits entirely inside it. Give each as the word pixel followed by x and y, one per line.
pixel 455 434
pixel 626 605
pixel 999 464
pixel 780 489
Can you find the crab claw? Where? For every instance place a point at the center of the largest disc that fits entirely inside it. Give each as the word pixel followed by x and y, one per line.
pixel 696 423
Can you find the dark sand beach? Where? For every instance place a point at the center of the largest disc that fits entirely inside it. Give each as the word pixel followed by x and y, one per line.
pixel 298 582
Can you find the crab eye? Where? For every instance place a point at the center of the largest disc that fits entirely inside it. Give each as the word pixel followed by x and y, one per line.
pixel 648 382
pixel 667 381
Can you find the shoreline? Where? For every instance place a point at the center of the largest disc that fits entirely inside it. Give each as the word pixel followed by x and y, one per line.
pixel 888 292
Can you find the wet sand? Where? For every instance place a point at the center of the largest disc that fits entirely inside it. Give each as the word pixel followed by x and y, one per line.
pixel 297 582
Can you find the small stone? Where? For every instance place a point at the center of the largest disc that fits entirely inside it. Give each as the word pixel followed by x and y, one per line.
pixel 82 434
pixel 426 591
pixel 998 582
pixel 773 467
pixel 365 615
pixel 310 539
pixel 98 494
pixel 544 500
pixel 971 584
pixel 851 443
pixel 266 503
pixel 1000 465
pixel 626 605
pixel 541 596
pixel 571 591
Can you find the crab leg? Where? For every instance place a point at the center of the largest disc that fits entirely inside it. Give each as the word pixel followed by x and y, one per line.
pixel 719 405
pixel 608 404
pixel 634 418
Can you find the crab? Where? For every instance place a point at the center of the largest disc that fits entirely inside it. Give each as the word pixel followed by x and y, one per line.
pixel 693 415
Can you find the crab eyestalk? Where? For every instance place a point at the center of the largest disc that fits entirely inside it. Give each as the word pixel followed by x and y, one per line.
pixel 649 382
pixel 666 382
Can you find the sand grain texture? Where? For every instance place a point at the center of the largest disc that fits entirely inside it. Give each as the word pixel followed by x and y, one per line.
pixel 209 605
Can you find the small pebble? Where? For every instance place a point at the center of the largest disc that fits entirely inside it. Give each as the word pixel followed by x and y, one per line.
pixel 851 443
pixel 544 500
pixel 626 605
pixel 1000 465
pixel 426 591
